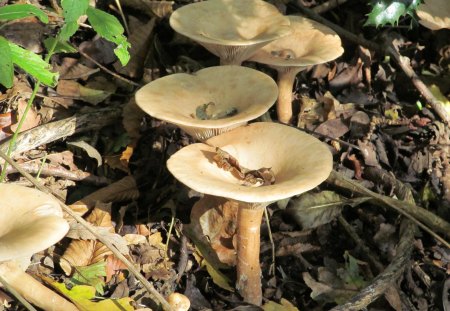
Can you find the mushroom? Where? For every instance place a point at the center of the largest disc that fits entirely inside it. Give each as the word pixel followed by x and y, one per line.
pixel 179 302
pixel 434 14
pixel 211 101
pixel 298 161
pixel 230 29
pixel 31 222
pixel 309 44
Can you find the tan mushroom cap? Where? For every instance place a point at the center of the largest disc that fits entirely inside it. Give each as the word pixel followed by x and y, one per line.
pixel 309 44
pixel 435 14
pixel 30 221
pixel 174 98
pixel 220 25
pixel 299 161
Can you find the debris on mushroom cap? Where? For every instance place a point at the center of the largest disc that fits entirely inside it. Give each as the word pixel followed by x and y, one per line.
pixel 176 98
pixel 299 161
pixel 178 302
pixel 227 27
pixel 310 43
pixel 31 221
pixel 434 14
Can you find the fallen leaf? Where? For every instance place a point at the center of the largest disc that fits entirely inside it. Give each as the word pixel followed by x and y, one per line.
pixel 91 151
pixel 82 295
pixel 284 305
pixel 311 210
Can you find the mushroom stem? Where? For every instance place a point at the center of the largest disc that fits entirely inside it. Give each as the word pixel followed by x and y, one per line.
pixel 32 290
pixel 286 78
pixel 248 246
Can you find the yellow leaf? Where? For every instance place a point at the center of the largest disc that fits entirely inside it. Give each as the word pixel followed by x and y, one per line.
pixel 284 306
pixel 81 296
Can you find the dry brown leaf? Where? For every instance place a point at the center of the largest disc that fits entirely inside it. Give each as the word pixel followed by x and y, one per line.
pixel 82 253
pixel 32 119
pixel 72 69
pixel 26 32
pixel 74 90
pixel 124 189
pixel 114 266
pixel 115 163
pixel 64 158
pixel 151 7
pixel 216 218
pixel 140 41
pixel 132 117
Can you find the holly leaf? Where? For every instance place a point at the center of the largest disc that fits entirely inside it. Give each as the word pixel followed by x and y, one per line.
pixel 389 11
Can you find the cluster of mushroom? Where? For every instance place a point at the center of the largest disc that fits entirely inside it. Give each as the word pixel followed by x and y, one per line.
pixel 257 164
pixel 31 221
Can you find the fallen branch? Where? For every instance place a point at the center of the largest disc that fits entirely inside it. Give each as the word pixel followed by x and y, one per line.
pixel 420 216
pixel 55 130
pixel 33 167
pixel 387 278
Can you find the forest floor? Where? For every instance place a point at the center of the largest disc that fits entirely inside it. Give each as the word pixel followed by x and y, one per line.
pixel 372 235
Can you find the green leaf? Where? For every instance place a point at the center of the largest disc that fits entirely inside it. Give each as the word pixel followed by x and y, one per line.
pixel 6 64
pixel 311 210
pixel 68 30
pixel 389 11
pixel 16 11
pixel 91 275
pixel 109 27
pixel 351 274
pixel 61 46
pixel 33 64
pixel 73 9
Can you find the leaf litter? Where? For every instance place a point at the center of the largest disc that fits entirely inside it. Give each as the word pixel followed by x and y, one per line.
pixel 362 105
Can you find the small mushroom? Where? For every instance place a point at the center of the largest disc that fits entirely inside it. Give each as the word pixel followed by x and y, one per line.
pixel 230 29
pixel 31 222
pixel 299 162
pixel 434 14
pixel 309 44
pixel 233 94
pixel 179 302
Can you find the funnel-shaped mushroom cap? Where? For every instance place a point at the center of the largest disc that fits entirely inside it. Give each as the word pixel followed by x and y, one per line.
pixel 309 44
pixel 434 14
pixel 175 98
pixel 30 221
pixel 299 162
pixel 222 26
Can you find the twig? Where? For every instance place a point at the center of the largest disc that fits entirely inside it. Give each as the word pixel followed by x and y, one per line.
pixel 385 279
pixel 152 291
pixel 405 65
pixel 326 6
pixel 107 70
pixel 365 250
pixel 411 211
pixel 52 131
pixel 124 20
pixel 401 60
pixel 183 260
pixel 32 167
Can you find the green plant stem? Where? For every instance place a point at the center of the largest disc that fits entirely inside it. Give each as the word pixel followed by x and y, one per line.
pixel 12 142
